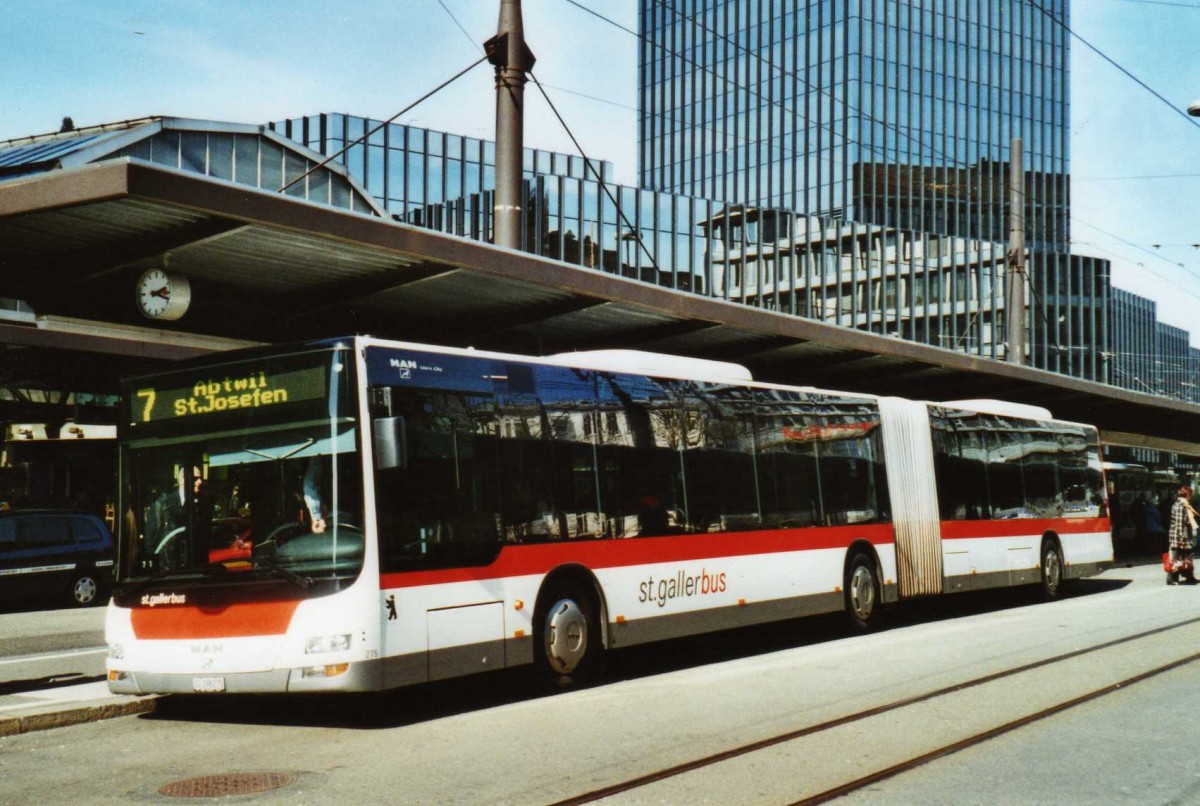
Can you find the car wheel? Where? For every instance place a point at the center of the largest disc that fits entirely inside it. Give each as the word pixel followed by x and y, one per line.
pixel 85 590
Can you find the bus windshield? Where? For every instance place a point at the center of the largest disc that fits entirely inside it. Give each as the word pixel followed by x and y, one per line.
pixel 271 490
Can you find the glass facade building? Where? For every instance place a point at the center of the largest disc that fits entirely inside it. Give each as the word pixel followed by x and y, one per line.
pixel 938 289
pixel 1148 355
pixel 890 116
pixel 944 290
pixel 410 170
pixel 878 111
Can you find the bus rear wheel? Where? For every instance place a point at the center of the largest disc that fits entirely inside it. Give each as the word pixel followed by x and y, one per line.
pixel 1052 569
pixel 568 644
pixel 862 599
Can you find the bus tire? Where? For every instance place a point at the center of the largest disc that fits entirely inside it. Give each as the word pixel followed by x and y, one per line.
pixel 1051 569
pixel 862 598
pixel 568 646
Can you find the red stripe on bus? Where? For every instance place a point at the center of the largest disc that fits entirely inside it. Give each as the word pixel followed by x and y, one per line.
pixel 595 554
pixel 1023 526
pixel 541 557
pixel 235 621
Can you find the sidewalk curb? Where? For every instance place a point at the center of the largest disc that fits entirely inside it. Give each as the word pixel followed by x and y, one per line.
pixel 47 719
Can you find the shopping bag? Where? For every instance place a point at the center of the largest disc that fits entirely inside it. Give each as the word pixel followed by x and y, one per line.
pixel 1167 562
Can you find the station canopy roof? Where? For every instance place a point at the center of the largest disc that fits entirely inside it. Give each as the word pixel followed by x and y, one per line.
pixel 265 267
pixel 243 153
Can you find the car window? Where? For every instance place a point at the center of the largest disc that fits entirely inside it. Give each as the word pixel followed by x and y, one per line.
pixel 46 531
pixel 86 531
pixel 8 534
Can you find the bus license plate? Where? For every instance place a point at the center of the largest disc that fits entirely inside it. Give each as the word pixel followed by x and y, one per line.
pixel 208 685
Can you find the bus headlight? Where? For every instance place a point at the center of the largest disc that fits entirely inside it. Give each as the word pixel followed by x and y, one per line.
pixel 327 643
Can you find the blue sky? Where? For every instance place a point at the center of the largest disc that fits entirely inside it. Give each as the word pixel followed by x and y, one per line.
pixel 1135 161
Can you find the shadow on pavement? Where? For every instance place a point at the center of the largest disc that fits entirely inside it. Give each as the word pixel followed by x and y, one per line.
pixel 433 701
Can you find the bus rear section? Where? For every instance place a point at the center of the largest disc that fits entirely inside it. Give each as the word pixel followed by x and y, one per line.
pixel 1020 497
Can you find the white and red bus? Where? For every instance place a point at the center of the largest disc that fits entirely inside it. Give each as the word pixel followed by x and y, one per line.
pixel 361 514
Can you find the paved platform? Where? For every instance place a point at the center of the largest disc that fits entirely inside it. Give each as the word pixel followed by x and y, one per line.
pixel 60 706
pixel 50 702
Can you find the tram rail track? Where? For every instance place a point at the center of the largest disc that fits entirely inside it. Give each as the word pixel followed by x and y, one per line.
pixel 829 793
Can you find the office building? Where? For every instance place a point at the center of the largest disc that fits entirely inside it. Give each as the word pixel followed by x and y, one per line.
pixel 896 114
pixel 892 116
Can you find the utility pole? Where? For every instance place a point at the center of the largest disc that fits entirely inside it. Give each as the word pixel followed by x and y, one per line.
pixel 512 59
pixel 1015 310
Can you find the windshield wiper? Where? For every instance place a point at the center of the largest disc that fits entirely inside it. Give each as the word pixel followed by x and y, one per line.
pixel 275 569
pixel 157 576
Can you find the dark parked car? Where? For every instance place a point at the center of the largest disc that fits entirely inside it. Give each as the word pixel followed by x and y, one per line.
pixel 64 555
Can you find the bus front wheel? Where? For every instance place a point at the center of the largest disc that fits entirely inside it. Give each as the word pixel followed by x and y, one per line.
pixel 863 603
pixel 568 642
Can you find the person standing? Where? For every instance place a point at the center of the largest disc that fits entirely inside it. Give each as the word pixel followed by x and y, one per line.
pixel 1182 537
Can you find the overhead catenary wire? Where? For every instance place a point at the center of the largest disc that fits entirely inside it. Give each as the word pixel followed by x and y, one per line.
pixel 776 69
pixel 367 134
pixel 599 180
pixel 1192 6
pixel 587 160
pixel 1019 191
pixel 1132 178
pixel 1157 255
pixel 801 116
pixel 1057 21
pixel 475 44
pixel 588 96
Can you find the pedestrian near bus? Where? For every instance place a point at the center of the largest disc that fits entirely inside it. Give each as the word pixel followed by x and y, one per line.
pixel 1182 537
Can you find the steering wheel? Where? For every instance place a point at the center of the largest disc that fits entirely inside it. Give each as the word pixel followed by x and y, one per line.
pixel 168 537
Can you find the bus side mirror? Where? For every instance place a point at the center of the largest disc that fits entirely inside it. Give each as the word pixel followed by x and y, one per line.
pixel 391 448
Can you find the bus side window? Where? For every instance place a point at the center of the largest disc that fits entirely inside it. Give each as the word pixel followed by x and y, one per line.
pixel 440 507
pixel 960 464
pixel 849 452
pixel 787 459
pixel 639 429
pixel 723 486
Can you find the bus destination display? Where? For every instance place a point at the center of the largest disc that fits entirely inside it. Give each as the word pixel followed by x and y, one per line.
pixel 250 389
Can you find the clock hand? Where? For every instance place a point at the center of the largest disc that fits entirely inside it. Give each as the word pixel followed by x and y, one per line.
pixel 163 292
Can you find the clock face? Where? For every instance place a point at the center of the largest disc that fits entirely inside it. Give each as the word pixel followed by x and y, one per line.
pixel 162 294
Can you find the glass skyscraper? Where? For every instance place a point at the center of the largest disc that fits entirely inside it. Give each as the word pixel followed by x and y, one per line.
pixel 883 112
pixel 893 120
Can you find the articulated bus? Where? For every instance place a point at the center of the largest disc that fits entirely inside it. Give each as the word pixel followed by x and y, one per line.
pixel 359 514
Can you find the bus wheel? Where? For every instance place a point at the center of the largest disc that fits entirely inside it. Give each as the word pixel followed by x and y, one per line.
pixel 863 602
pixel 568 644
pixel 1052 569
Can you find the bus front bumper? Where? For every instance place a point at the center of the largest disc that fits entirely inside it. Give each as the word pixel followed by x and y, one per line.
pixel 358 676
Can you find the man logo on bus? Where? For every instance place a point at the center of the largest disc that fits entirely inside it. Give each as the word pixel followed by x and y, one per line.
pixel 391 606
pixel 406 366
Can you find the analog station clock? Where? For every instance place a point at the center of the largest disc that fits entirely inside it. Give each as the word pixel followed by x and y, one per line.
pixel 162 294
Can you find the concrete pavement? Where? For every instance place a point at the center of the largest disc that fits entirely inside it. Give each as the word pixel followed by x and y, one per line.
pixel 51 669
pixel 65 705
